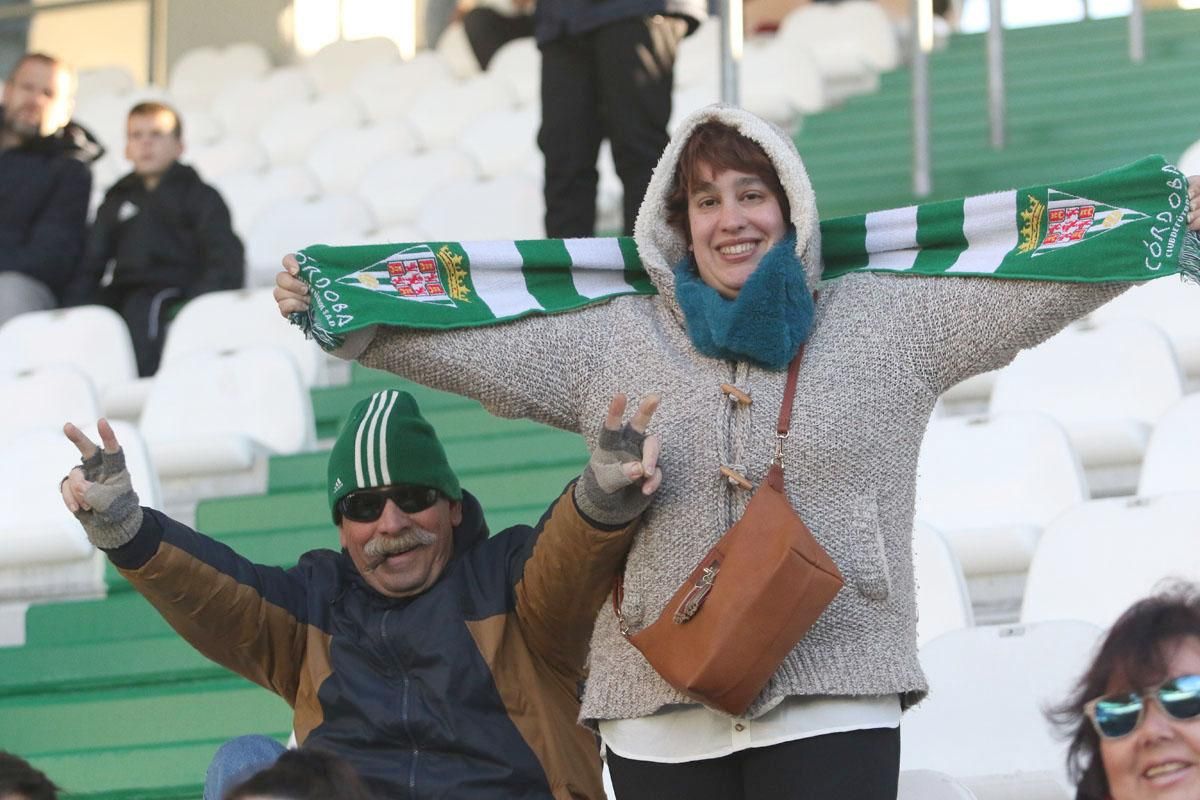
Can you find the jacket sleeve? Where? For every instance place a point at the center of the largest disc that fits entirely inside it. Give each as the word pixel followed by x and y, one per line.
pixel 567 573
pixel 537 367
pixel 224 257
pixel 963 326
pixel 246 617
pixel 55 244
pixel 99 248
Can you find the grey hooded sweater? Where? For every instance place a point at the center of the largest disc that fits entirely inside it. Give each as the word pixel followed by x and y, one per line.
pixel 881 350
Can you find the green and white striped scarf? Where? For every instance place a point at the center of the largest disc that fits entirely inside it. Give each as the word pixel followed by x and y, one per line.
pixel 1127 224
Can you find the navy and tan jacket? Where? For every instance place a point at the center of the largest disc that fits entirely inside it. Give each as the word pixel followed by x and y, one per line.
pixel 468 690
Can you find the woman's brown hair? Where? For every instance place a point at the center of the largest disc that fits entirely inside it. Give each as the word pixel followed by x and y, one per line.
pixel 721 147
pixel 1135 650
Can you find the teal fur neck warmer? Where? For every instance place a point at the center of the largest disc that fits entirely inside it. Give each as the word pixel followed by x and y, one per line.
pixel 765 324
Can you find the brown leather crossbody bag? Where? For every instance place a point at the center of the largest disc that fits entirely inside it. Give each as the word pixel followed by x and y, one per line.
pixel 748 602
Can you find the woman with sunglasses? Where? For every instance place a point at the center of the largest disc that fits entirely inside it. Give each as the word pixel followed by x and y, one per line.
pixel 1135 714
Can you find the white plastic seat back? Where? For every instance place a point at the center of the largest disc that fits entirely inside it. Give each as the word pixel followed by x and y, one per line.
pixel 45 398
pixel 696 57
pixel 874 31
pixel 1099 557
pixel 93 339
pixel 439 114
pixel 35 526
pixel 245 105
pixel 520 63
pixel 991 484
pixel 201 73
pixel 384 90
pixel 226 156
pixel 1172 462
pixel 1169 303
pixel 506 208
pixel 290 225
pixel 781 100
pixel 248 193
pixel 419 175
pixel 333 68
pixel 943 602
pixel 217 413
pixel 502 141
pixel 110 80
pixel 1107 385
pixel 925 784
pixel 235 320
pixel 289 134
pixel 1189 162
pixel 454 48
pixel 983 721
pixel 341 158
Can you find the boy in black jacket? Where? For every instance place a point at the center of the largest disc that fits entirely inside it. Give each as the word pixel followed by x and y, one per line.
pixel 167 231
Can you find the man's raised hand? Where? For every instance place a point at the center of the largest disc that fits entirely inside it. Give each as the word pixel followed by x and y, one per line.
pixel 99 492
pixel 623 473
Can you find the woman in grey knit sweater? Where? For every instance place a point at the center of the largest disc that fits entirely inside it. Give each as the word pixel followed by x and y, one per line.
pixel 728 232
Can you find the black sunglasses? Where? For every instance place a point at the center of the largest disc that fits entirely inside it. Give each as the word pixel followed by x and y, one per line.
pixel 365 505
pixel 1119 715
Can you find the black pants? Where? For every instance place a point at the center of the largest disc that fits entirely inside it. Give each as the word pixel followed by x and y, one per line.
pixel 146 311
pixel 856 765
pixel 615 83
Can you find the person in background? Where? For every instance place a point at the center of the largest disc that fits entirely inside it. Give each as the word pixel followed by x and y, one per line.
pixel 20 781
pixel 166 233
pixel 45 185
pixel 1134 717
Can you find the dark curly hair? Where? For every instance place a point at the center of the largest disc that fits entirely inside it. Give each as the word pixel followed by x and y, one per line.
pixel 1135 650
pixel 721 147
pixel 304 774
pixel 19 779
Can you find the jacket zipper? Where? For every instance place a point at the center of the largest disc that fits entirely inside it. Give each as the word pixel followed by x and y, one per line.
pixel 405 683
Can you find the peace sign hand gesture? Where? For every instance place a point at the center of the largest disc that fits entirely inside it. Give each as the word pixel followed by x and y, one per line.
pixel 623 473
pixel 99 492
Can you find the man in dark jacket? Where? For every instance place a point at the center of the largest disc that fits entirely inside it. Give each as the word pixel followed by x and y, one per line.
pixel 167 233
pixel 45 185
pixel 437 661
pixel 608 68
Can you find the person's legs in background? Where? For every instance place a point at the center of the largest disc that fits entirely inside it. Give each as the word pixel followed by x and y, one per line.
pixel 237 760
pixel 570 136
pixel 635 65
pixel 20 293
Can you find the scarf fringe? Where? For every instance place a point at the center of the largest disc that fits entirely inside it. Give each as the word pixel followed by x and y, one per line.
pixel 328 342
pixel 1189 258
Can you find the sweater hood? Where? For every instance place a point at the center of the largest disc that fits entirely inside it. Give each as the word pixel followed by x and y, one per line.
pixel 661 247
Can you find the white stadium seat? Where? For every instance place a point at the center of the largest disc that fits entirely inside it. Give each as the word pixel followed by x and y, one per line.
pixel 1170 304
pixel 220 413
pixel 991 485
pixel 398 187
pixel 983 721
pixel 925 784
pixel 400 233
pixel 874 31
pixel 943 603
pixel 226 156
pixel 203 72
pixel 43 550
pixel 109 80
pixel 1107 385
pixel 439 115
pixel 696 60
pixel 248 194
pixel 1189 162
pixel 836 48
pixel 1100 556
pixel 1172 462
pixel 245 105
pixel 93 339
pixel 289 225
pixel 520 63
pixel 502 141
pixel 291 132
pixel 47 397
pixel 780 101
pixel 385 91
pixel 510 207
pixel 334 67
pixel 226 321
pixel 454 48
pixel 341 157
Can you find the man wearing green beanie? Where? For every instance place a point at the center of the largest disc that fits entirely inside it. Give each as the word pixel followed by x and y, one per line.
pixel 438 662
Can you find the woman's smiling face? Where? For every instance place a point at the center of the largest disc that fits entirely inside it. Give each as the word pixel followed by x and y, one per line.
pixel 1160 759
pixel 734 219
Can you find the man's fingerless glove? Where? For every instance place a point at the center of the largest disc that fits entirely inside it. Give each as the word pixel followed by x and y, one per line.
pixel 116 515
pixel 603 492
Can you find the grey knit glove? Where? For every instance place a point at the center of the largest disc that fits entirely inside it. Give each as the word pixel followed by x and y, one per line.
pixel 115 514
pixel 604 493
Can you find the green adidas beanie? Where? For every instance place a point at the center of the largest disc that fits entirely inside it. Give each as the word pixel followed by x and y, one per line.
pixel 386 441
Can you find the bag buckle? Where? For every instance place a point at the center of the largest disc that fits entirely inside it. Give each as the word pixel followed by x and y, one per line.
pixel 695 598
pixel 780 438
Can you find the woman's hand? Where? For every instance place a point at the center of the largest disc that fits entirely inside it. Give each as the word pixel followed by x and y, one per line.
pixel 291 293
pixel 623 473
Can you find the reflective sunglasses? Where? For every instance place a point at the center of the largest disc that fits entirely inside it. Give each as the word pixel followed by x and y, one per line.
pixel 1119 714
pixel 365 505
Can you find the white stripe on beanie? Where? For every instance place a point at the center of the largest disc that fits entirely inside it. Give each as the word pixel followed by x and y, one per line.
pixel 383 453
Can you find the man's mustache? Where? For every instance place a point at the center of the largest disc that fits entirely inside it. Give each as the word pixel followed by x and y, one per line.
pixel 381 548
